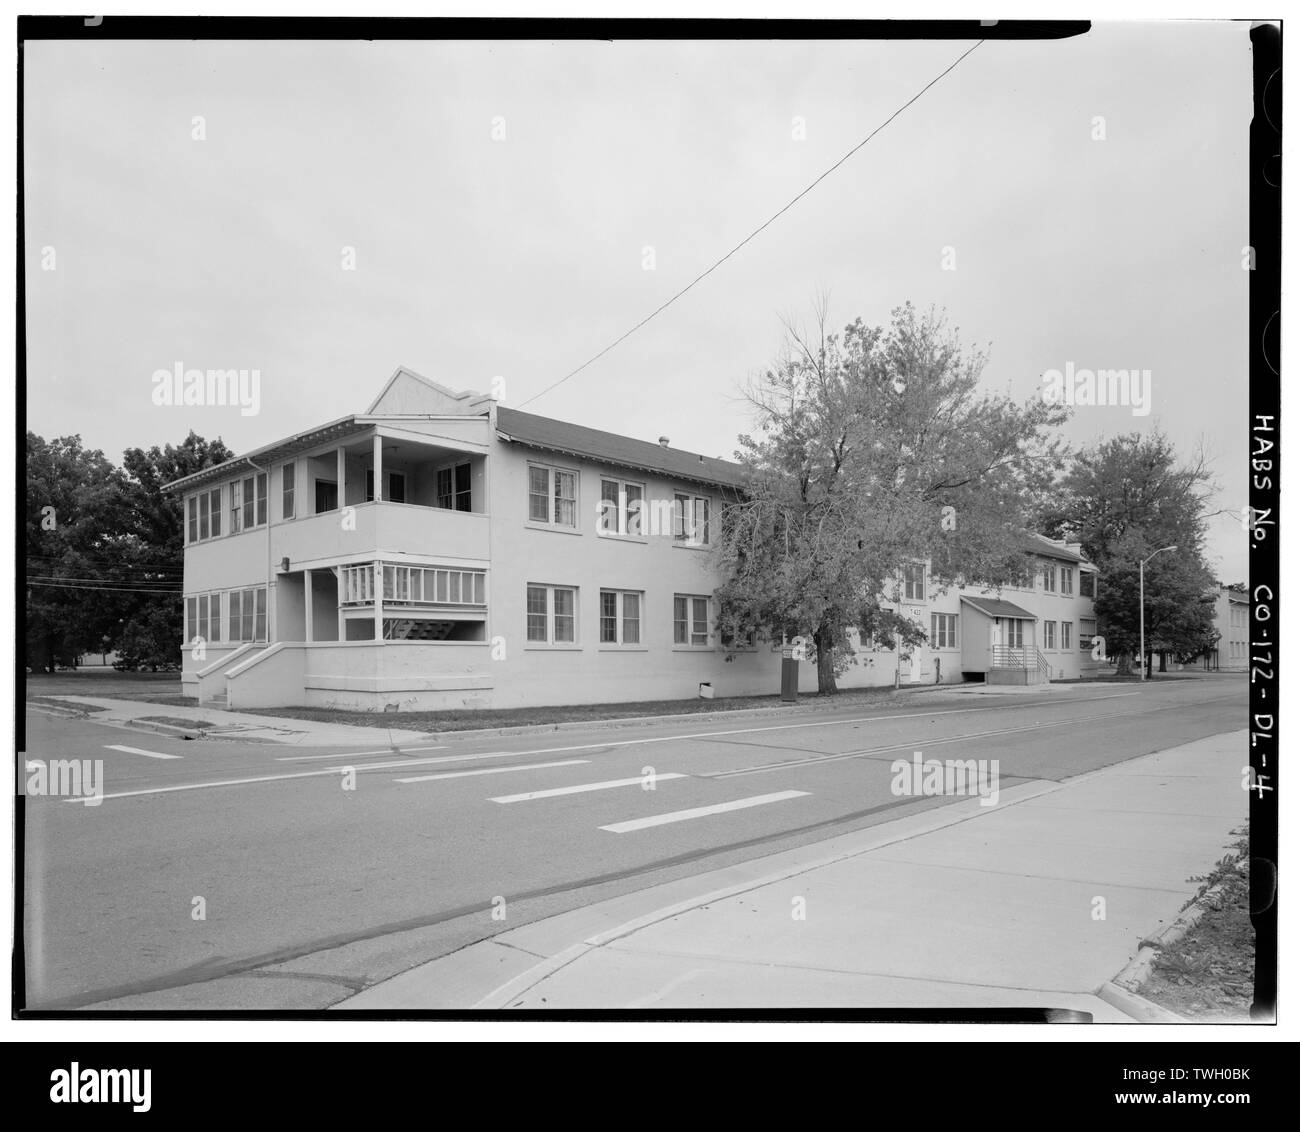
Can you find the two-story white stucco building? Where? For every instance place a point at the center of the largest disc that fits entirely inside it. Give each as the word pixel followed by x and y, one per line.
pixel 441 550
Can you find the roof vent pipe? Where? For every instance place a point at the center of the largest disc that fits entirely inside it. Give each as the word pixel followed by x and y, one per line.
pixel 663 442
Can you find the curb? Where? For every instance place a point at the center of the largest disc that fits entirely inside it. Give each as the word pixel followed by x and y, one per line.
pixel 1123 991
pixel 58 712
pixel 1136 1007
pixel 776 711
pixel 167 729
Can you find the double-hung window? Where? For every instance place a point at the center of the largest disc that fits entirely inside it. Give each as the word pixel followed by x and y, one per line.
pixel 1049 577
pixel 620 507
pixel 690 620
pixel 620 617
pixel 203 618
pixel 914 581
pixel 1067 581
pixel 1087 630
pixel 691 519
pixel 552 496
pixel 247 614
pixel 454 487
pixel 1087 584
pixel 943 630
pixel 1067 631
pixel 203 515
pixel 552 615
pixel 288 476
pixel 248 502
pixel 1049 635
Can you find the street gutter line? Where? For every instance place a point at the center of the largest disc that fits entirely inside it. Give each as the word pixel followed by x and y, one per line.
pixel 868 751
pixel 754 730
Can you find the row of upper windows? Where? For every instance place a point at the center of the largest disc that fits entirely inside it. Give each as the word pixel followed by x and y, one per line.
pixel 623 509
pixel 1055 579
pixel 245 500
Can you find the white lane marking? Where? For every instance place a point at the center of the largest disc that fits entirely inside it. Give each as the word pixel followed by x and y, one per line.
pixel 703 811
pixel 332 772
pixel 355 754
pixel 138 751
pixel 490 770
pixel 583 789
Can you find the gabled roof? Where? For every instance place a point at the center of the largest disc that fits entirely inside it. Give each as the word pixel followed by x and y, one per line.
pixel 408 393
pixel 1051 548
pixel 611 448
pixel 997 607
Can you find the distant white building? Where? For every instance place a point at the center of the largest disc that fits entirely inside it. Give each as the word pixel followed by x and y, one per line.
pixel 442 551
pixel 1232 620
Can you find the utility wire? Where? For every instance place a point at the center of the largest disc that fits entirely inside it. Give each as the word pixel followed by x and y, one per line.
pixel 103 589
pixel 776 215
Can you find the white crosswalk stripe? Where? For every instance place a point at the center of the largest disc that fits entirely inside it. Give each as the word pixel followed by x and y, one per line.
pixel 138 751
pixel 703 811
pixel 489 770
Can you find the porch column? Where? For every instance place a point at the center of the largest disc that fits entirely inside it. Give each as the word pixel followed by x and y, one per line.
pixel 306 606
pixel 338 583
pixel 342 476
pixel 379 467
pixel 379 601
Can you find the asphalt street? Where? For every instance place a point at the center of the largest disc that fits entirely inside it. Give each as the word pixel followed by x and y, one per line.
pixel 225 874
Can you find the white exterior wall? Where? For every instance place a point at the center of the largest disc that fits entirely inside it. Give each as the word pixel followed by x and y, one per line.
pixel 506 670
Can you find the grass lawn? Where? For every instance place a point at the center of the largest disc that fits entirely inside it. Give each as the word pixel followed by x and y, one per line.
pixel 473 719
pixel 151 687
pixel 1208 974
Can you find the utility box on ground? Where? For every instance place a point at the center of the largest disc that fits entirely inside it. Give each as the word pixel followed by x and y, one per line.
pixel 789 676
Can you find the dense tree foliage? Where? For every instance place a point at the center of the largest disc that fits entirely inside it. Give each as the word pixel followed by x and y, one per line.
pixel 105 550
pixel 874 449
pixel 1123 499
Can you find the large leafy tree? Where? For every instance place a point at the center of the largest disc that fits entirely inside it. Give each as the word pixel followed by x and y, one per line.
pixel 874 449
pixel 1123 499
pixel 74 525
pixel 104 550
pixel 154 624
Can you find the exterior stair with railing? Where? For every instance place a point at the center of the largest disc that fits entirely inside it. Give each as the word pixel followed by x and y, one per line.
pixel 1014 664
pixel 417 629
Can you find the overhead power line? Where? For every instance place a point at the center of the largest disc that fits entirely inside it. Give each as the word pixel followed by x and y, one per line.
pixel 104 589
pixel 776 215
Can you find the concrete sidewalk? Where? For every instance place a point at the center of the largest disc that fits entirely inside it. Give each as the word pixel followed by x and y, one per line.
pixel 217 723
pixel 1038 901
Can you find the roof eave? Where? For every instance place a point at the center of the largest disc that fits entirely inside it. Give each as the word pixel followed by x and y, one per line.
pixel 669 473
pixel 308 439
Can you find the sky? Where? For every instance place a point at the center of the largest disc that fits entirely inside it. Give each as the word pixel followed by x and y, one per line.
pixel 513 208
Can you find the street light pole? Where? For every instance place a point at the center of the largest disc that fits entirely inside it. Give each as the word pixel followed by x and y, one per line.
pixel 1142 611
